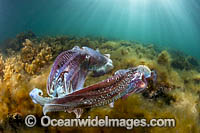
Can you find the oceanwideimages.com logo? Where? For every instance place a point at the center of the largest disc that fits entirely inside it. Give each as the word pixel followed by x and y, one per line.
pixel 46 121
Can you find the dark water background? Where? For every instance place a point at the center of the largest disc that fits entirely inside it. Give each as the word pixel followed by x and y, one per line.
pixel 172 23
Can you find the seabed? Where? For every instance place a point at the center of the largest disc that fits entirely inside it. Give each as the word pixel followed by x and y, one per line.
pixel 25 63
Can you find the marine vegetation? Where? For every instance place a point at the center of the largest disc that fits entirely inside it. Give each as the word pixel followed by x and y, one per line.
pixel 27 64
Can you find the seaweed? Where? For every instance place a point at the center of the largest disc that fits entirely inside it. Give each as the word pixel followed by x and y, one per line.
pixel 15 44
pixel 193 61
pixel 175 93
pixel 164 58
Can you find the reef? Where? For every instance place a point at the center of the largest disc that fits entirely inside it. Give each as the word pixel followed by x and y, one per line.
pixel 15 44
pixel 25 63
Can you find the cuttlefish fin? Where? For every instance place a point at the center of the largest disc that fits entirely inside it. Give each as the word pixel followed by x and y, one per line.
pixel 121 71
pixel 78 112
pixel 111 105
pixel 125 96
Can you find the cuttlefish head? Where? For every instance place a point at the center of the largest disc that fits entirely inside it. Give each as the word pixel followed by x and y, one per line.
pixel 140 79
pixel 98 63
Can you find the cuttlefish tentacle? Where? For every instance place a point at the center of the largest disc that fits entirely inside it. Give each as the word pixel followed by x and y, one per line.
pixel 64 58
pixel 36 95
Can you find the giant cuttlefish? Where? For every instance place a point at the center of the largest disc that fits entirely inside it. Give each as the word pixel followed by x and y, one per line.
pixel 75 99
pixel 71 67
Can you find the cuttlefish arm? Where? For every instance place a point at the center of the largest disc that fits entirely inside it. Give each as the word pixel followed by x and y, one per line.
pixel 65 66
pixel 36 96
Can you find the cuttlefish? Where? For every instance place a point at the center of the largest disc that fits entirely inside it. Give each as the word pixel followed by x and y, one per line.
pixel 71 67
pixel 70 95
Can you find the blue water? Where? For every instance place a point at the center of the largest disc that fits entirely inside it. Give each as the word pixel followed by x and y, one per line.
pixel 172 23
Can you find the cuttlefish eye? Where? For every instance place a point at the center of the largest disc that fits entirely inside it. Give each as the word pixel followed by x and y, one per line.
pixel 142 85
